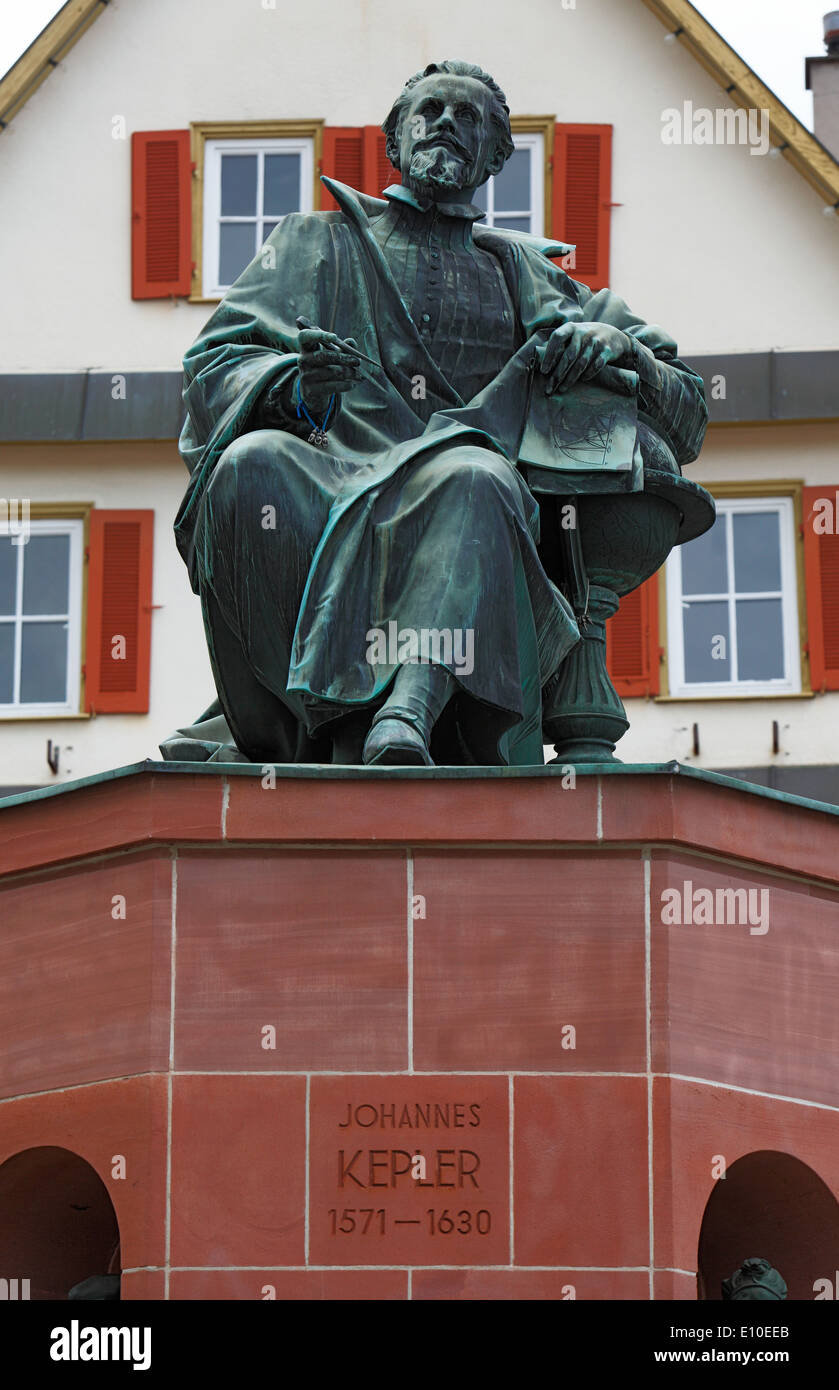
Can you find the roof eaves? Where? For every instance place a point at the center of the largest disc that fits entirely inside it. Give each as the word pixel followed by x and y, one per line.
pixel 797 144
pixel 45 53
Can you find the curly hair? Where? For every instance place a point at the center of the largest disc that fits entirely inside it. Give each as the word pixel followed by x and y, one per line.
pixel 499 110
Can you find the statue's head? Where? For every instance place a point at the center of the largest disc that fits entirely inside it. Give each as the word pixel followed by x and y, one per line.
pixel 449 129
pixel 754 1281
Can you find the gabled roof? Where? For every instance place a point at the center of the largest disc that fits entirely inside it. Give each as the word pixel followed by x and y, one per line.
pixel 806 154
pixel 797 144
pixel 37 62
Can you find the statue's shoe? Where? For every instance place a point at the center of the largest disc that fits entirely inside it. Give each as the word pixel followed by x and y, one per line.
pixel 393 741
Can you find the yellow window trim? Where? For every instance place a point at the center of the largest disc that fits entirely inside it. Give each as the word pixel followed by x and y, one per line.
pixel 200 132
pixel 782 487
pixel 544 126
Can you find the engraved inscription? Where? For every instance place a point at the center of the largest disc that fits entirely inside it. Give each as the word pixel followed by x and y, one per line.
pixel 410 1170
pixel 384 1168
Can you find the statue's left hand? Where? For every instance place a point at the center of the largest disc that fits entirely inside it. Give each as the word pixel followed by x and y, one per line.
pixel 578 351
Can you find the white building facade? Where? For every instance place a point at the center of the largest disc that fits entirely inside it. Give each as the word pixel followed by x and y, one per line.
pixel 168 139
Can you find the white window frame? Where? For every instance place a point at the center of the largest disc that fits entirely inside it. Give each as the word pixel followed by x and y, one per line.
pixel 213 150
pixel 73 617
pixel 535 142
pixel 790 683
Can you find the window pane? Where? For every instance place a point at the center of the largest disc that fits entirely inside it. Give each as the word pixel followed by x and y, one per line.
pixel 480 198
pixel 46 574
pixel 237 248
pixel 43 665
pixel 512 185
pixel 267 229
pixel 8 572
pixel 760 640
pixel 513 224
pixel 7 658
pixel 238 185
pixel 757 551
pixel 706 642
pixel 704 562
pixel 281 193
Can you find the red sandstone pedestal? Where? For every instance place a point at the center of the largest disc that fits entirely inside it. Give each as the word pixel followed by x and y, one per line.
pixel 417 1033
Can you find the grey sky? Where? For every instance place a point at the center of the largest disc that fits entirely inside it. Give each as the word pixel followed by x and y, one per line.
pixel 773 36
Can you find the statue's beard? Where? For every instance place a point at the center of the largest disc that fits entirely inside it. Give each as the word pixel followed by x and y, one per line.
pixel 437 169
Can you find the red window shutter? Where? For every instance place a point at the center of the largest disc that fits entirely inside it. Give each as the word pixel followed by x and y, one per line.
pixel 119 605
pixel 161 214
pixel 632 654
pixel 355 155
pixel 343 159
pixel 821 578
pixel 379 172
pixel 582 193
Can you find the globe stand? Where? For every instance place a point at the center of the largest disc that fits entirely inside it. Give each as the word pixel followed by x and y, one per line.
pixel 584 715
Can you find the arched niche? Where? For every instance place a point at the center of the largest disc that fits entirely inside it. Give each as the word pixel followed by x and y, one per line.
pixel 57 1222
pixel 773 1206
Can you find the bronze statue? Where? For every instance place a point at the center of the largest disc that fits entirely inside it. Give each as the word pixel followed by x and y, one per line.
pixel 425 463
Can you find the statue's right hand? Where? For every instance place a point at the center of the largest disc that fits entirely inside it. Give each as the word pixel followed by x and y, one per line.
pixel 325 368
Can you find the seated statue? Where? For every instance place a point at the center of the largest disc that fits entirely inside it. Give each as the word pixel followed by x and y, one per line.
pixel 394 420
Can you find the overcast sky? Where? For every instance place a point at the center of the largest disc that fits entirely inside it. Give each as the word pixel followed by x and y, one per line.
pixel 773 36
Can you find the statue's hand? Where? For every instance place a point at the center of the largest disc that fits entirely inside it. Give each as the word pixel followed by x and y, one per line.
pixel 325 369
pixel 578 351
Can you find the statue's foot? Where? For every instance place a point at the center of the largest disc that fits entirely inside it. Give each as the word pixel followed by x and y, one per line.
pixel 393 741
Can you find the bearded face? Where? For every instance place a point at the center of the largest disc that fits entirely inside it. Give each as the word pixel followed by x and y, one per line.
pixel 446 138
pixel 434 168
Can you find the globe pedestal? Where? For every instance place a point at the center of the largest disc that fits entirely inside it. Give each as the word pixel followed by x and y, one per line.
pixel 584 715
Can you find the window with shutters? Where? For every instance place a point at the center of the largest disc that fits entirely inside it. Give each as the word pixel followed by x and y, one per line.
pixel 249 186
pixel 732 603
pixel 41 618
pixel 514 200
pixel 75 611
pixel 246 177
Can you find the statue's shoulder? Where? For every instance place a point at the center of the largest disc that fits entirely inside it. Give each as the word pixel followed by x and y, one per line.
pixel 302 235
pixel 537 260
pixel 535 263
pixel 527 244
pixel 296 224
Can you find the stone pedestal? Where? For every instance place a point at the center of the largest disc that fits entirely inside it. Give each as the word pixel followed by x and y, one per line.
pixel 411 1033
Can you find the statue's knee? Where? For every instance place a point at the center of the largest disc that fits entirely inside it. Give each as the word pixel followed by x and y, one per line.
pixel 257 447
pixel 247 454
pixel 481 468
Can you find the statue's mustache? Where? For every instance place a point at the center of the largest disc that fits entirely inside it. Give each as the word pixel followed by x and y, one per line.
pixel 448 141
